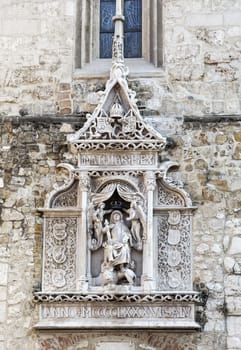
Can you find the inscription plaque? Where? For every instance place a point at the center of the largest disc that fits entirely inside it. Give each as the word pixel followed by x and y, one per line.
pixel 94 315
pixel 115 160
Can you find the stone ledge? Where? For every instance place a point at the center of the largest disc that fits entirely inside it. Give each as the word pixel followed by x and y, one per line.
pixel 100 69
pixel 54 119
pixel 212 118
pixel 81 118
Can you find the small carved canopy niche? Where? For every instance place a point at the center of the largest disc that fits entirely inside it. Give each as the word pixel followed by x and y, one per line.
pixel 61 224
pixel 173 233
pixel 117 196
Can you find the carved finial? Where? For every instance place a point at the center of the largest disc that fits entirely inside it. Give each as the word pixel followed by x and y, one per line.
pixel 118 42
pixel 118 67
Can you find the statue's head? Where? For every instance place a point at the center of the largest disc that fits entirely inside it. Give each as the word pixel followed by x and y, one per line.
pixel 116 216
pixel 133 204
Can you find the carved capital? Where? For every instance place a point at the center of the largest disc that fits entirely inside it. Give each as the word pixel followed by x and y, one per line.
pixel 82 283
pixel 150 181
pixel 84 181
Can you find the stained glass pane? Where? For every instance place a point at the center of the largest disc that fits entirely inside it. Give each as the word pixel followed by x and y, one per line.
pixel 107 11
pixel 132 28
pixel 132 45
pixel 132 15
pixel 106 45
pixel 133 21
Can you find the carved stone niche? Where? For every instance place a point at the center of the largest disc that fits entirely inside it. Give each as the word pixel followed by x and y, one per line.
pixel 117 235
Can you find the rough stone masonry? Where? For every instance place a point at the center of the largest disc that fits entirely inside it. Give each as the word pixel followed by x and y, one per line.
pixel 194 99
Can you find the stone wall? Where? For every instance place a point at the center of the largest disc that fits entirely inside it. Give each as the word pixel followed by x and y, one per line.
pixel 201 44
pixel 209 166
pixel 194 98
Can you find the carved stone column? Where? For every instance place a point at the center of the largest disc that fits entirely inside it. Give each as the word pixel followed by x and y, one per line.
pixel 148 278
pixel 84 185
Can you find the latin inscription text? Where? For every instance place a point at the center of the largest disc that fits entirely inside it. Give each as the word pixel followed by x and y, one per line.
pixel 117 159
pixel 116 312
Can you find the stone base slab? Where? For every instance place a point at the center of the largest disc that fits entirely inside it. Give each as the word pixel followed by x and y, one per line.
pixel 116 316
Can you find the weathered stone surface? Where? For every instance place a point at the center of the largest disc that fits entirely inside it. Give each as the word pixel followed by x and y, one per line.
pixel 145 341
pixel 233 305
pixel 214 219
pixel 3 311
pixel 200 79
pixel 3 274
pixel 203 20
pixel 232 285
pixel 117 346
pixel 229 264
pixel 12 215
pixel 233 325
pixel 38 78
pixel 3 293
pixel 233 343
pixel 235 247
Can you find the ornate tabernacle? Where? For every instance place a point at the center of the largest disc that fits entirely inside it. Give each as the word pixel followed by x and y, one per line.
pixel 117 235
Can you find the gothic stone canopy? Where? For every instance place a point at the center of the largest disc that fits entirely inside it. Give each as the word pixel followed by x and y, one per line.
pixel 117 234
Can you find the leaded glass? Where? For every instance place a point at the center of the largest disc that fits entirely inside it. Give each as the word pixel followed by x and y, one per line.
pixel 132 28
pixel 132 11
pixel 132 44
pixel 107 11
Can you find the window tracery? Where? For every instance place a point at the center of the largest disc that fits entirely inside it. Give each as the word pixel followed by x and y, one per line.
pixel 132 28
pixel 88 24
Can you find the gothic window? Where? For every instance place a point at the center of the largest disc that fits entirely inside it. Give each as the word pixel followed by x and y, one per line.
pixel 132 28
pixel 94 30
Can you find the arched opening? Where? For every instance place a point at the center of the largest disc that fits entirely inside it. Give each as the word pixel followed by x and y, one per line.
pixel 117 229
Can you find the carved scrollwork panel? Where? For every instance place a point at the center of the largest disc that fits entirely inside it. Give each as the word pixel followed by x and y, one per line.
pixel 67 198
pixel 60 254
pixel 118 145
pixel 119 298
pixel 174 253
pixel 166 197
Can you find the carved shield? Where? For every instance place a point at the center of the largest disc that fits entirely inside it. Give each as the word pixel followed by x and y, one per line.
pixel 103 125
pixel 58 278
pixel 173 236
pixel 129 123
pixel 59 254
pixel 174 257
pixel 59 231
pixel 174 279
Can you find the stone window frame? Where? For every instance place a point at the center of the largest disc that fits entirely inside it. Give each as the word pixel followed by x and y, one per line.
pixel 87 33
